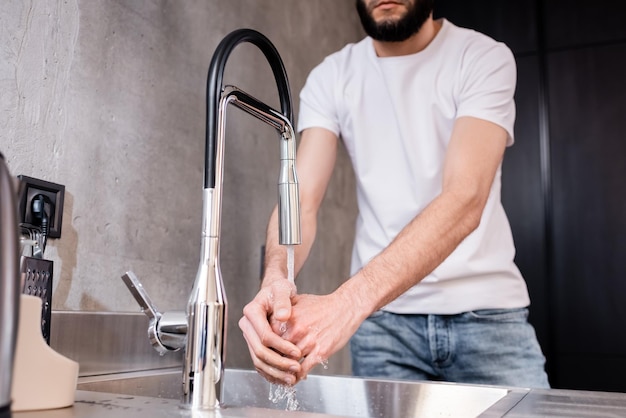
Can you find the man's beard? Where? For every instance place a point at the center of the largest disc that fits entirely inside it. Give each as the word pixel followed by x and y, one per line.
pixel 396 31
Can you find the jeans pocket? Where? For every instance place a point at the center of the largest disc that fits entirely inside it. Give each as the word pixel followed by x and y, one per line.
pixel 499 315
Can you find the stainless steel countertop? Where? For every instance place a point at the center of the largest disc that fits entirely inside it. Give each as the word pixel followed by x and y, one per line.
pixel 107 405
pixel 246 394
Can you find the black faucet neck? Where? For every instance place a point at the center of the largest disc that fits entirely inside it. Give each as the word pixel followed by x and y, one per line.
pixel 215 85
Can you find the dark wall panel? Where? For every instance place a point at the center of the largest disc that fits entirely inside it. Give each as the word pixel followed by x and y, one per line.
pixel 571 242
pixel 587 108
pixel 588 371
pixel 511 22
pixel 571 23
pixel 522 195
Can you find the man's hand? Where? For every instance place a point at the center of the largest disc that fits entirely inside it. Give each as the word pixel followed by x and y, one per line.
pixel 320 326
pixel 274 357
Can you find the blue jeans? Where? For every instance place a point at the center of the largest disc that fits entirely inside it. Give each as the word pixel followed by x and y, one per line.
pixel 494 347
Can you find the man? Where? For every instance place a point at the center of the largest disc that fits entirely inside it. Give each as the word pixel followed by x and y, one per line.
pixel 425 110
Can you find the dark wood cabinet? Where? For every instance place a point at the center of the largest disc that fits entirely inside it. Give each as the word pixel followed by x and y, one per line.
pixel 515 25
pixel 587 97
pixel 523 196
pixel 564 179
pixel 577 23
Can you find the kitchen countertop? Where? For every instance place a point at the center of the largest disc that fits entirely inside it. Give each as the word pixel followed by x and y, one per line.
pixel 108 405
pixel 332 396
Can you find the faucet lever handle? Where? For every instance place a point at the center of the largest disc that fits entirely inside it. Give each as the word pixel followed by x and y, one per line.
pixel 140 295
pixel 167 331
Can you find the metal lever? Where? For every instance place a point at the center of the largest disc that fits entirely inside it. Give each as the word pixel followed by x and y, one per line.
pixel 167 331
pixel 140 295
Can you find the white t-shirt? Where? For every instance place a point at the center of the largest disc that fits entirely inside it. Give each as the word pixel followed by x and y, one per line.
pixel 395 116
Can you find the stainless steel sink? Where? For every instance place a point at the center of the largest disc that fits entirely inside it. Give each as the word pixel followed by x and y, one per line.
pixel 117 389
pixel 336 396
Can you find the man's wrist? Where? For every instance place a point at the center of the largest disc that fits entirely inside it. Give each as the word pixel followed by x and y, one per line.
pixel 355 293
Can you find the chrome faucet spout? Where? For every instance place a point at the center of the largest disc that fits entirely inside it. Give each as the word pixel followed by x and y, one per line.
pixel 206 309
pixel 288 189
pixel 9 285
pixel 202 329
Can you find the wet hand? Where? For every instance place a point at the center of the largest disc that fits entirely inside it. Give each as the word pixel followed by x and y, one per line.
pixel 274 357
pixel 320 326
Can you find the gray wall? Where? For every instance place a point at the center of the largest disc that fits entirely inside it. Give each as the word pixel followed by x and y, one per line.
pixel 108 98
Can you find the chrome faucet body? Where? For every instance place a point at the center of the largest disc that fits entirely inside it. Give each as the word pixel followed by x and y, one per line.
pixel 9 285
pixel 202 329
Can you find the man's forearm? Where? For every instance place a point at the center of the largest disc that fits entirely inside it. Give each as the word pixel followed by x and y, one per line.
pixel 417 250
pixel 474 153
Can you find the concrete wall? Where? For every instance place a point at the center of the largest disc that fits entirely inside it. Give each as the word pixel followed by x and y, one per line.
pixel 108 98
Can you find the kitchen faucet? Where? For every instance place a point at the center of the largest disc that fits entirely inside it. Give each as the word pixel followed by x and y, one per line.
pixel 201 330
pixel 9 286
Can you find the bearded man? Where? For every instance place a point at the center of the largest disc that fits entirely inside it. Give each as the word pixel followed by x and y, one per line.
pixel 425 110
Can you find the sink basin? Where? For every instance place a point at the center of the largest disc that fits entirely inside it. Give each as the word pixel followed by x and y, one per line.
pixel 328 395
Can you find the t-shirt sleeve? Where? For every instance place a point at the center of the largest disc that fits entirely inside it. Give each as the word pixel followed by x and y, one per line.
pixel 488 86
pixel 317 100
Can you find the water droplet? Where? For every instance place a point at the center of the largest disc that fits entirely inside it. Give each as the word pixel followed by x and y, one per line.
pixel 323 362
pixel 315 330
pixel 281 392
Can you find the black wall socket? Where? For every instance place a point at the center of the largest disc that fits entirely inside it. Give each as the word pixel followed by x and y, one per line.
pixel 53 193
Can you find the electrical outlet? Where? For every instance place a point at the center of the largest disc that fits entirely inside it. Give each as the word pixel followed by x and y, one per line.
pixel 53 194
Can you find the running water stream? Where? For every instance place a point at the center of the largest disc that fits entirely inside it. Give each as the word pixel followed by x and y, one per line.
pixel 290 263
pixel 280 392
